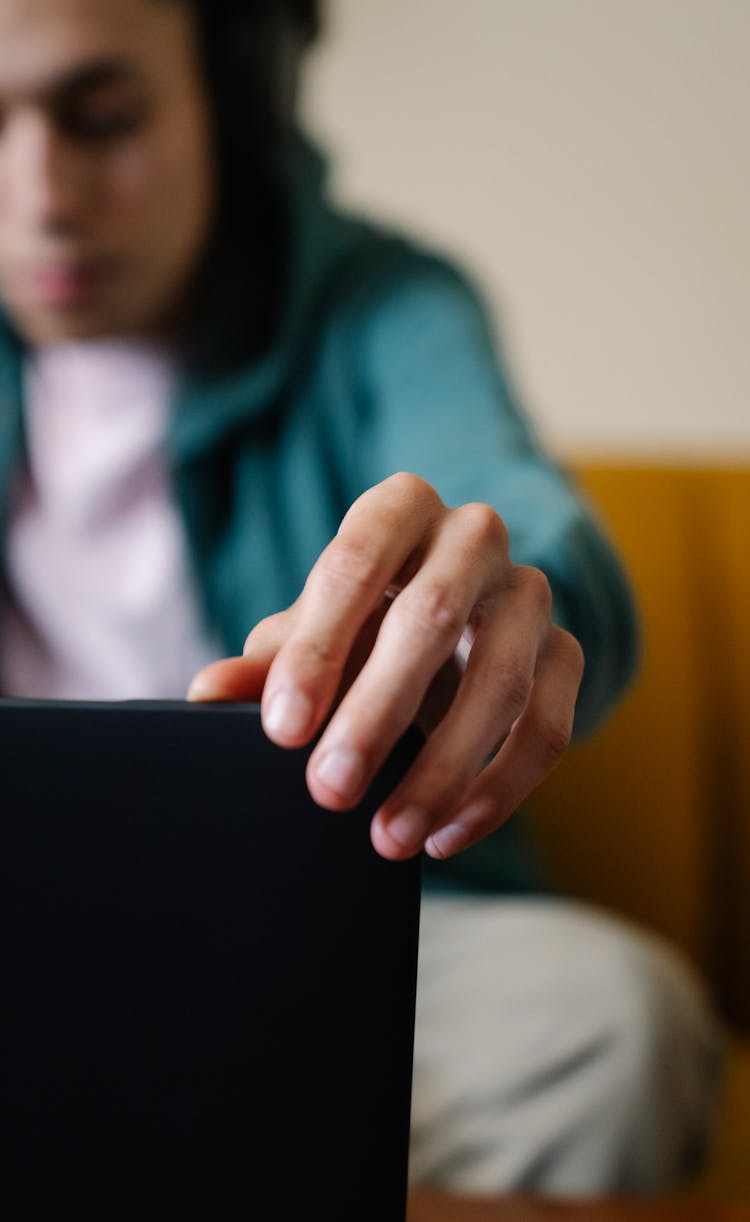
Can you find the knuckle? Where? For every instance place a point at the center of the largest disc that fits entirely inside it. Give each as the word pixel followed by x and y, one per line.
pixel 570 649
pixel 536 587
pixel 512 683
pixel 433 608
pixel 483 525
pixel 350 562
pixel 409 487
pixel 311 653
pixel 553 739
pixel 265 631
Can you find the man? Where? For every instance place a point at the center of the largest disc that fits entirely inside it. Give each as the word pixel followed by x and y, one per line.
pixel 213 389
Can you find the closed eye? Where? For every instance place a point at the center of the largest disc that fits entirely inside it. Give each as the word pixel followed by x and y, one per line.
pixel 100 124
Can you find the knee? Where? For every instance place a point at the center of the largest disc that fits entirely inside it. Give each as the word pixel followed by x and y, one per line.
pixel 662 1061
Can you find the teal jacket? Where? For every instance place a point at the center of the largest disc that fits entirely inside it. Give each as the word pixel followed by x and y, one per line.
pixel 382 360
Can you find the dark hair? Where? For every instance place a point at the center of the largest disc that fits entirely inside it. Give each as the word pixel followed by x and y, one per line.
pixel 251 52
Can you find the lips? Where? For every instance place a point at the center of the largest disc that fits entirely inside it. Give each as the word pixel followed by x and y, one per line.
pixel 64 285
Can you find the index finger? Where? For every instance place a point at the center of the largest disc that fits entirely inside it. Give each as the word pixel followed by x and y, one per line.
pixel 376 539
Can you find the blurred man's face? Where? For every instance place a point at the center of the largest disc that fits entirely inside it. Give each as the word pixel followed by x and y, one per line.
pixel 106 170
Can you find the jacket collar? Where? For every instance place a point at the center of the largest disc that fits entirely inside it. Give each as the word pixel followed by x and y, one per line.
pixel 316 240
pixel 11 413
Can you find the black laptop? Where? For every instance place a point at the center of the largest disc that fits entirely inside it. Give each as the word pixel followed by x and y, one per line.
pixel 207 982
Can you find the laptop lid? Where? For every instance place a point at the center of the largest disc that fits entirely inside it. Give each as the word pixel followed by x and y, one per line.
pixel 208 982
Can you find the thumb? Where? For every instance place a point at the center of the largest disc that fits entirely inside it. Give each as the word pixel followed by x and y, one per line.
pixel 242 678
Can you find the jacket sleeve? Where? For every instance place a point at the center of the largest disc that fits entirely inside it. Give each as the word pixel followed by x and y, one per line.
pixel 435 401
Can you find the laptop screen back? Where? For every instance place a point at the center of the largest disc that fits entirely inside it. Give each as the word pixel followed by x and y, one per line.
pixel 208 981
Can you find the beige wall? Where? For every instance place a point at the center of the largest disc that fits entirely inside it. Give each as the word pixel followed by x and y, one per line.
pixel 589 161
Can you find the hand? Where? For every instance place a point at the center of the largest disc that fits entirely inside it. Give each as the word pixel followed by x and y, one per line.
pixel 370 646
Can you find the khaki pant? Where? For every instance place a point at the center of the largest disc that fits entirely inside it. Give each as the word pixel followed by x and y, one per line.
pixel 557 1051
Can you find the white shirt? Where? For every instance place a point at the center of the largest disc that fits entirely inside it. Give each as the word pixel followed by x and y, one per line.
pixel 101 599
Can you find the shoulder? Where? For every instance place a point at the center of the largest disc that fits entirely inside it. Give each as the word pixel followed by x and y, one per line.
pixel 396 274
pixel 394 298
pixel 352 275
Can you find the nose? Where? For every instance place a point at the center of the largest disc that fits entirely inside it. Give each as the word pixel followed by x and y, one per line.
pixel 42 182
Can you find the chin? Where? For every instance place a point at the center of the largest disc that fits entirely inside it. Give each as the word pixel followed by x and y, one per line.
pixel 60 326
pixel 60 333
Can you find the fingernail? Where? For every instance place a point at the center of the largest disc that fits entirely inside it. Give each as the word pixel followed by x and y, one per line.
pixel 447 841
pixel 343 771
pixel 288 714
pixel 409 828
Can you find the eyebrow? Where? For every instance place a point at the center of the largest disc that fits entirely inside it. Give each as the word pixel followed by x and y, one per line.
pixel 88 76
pixel 94 74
